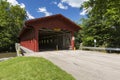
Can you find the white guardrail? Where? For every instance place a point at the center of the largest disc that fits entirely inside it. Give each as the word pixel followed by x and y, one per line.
pixel 98 48
pixel 21 50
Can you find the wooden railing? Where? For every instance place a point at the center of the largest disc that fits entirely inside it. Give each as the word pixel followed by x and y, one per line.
pixel 21 50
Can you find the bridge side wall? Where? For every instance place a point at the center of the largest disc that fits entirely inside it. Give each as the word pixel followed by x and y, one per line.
pixel 28 39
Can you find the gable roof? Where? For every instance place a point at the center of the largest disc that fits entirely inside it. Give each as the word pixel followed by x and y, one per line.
pixel 59 16
pixel 32 22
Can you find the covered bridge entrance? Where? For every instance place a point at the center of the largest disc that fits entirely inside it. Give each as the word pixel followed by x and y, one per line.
pixel 48 33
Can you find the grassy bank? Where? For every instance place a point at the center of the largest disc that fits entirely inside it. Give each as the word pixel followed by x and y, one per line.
pixel 31 68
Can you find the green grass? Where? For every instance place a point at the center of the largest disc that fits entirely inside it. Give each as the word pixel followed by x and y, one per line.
pixel 31 68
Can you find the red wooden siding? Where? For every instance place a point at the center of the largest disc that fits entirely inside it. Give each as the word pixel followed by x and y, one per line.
pixel 29 34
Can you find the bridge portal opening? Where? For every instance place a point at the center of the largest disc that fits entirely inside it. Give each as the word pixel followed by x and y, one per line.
pixel 54 39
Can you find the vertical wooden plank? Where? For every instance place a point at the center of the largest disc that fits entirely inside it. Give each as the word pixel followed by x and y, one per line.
pixel 36 47
pixel 72 40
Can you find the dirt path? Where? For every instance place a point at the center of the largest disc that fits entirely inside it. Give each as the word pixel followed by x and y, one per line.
pixel 85 65
pixel 7 55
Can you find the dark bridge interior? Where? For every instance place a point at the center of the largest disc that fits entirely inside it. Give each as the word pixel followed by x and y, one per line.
pixel 54 39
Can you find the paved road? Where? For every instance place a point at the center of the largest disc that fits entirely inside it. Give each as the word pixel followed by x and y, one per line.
pixel 86 65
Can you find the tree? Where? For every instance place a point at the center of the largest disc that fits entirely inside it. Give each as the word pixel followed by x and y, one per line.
pixel 11 21
pixel 103 23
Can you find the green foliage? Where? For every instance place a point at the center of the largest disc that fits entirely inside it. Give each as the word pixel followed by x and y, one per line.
pixel 31 68
pixel 11 20
pixel 102 24
pixel 78 39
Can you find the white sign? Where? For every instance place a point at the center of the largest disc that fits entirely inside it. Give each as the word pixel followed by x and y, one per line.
pixel 95 41
pixel 73 38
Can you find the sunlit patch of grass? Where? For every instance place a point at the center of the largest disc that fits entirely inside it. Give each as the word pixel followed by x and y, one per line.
pixel 31 68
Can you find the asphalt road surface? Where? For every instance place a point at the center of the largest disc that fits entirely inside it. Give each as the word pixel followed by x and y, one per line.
pixel 85 65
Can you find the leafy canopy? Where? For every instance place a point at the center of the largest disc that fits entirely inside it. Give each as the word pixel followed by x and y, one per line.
pixel 11 21
pixel 102 24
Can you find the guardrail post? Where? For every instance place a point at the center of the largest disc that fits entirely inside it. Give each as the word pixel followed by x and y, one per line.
pixel 80 47
pixel 17 47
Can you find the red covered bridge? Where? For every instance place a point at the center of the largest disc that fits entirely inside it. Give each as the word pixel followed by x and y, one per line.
pixel 48 33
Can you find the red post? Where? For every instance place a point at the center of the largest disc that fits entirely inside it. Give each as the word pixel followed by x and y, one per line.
pixel 36 48
pixel 72 41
